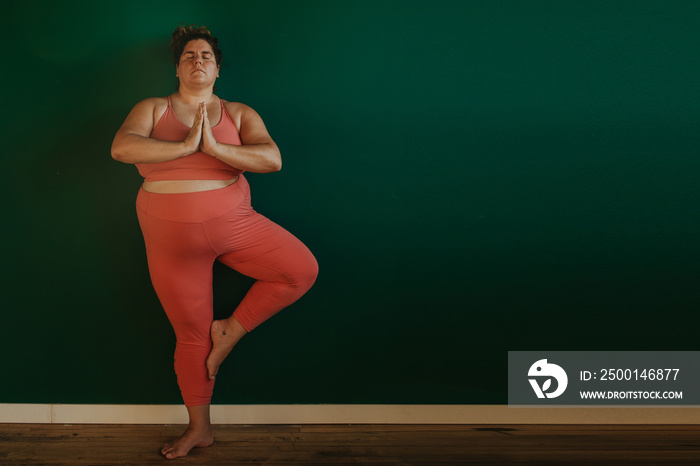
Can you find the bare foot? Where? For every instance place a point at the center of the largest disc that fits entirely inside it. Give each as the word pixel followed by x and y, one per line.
pixel 224 336
pixel 192 437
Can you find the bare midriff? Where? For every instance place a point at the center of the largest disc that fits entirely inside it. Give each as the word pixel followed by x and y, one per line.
pixel 185 186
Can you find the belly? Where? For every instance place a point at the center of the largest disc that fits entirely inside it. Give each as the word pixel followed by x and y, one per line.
pixel 185 186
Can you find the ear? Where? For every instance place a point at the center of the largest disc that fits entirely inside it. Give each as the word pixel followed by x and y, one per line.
pixel 218 68
pixel 177 71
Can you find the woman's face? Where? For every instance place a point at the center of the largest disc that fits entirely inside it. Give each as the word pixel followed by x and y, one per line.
pixel 197 64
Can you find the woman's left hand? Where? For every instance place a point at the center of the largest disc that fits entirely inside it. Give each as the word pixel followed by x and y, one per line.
pixel 208 144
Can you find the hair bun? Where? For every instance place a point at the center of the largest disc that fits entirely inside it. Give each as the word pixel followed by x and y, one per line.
pixel 182 31
pixel 183 34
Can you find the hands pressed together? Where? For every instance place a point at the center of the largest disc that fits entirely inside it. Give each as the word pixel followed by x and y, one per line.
pixel 201 137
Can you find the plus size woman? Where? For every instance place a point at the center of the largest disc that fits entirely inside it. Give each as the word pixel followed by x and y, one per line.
pixel 192 149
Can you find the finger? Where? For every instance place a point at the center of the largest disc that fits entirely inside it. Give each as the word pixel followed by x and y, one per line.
pixel 197 123
pixel 205 116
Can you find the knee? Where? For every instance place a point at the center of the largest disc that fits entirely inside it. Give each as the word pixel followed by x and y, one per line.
pixel 312 272
pixel 306 273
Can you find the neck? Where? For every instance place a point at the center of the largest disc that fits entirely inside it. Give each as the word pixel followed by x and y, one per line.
pixel 194 96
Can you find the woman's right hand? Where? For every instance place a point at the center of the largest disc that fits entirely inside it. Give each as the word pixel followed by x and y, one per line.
pixel 133 142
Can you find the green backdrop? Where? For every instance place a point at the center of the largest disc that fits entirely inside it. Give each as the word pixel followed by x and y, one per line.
pixel 473 176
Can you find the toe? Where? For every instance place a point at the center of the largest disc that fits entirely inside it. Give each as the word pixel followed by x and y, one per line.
pixel 211 370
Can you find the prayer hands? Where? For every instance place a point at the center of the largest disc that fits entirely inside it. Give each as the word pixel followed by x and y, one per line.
pixel 208 143
pixel 201 136
pixel 194 138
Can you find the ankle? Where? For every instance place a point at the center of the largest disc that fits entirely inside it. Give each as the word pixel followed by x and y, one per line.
pixel 199 426
pixel 235 326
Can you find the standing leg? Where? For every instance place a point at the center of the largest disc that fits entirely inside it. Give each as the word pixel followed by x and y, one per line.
pixel 180 262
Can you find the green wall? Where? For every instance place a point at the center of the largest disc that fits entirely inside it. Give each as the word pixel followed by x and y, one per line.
pixel 474 177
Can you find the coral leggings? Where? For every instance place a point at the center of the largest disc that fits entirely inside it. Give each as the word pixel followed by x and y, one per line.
pixel 184 234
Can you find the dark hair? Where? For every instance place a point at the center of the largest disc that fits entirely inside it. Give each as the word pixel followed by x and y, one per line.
pixel 184 34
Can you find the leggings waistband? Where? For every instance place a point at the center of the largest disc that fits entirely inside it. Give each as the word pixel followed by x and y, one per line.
pixel 194 207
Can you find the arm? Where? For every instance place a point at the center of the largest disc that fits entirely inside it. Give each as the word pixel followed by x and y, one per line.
pixel 258 154
pixel 132 143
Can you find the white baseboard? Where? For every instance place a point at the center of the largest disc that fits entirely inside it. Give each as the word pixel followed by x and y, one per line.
pixel 346 414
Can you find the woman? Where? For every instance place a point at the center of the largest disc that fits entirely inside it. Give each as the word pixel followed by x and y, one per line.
pixel 194 207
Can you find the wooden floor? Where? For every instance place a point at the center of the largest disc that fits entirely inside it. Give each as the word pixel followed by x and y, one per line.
pixel 358 444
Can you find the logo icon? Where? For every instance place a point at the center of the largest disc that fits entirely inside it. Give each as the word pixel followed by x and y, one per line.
pixel 543 369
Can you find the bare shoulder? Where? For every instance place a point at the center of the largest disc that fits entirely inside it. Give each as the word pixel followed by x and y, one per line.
pixel 249 124
pixel 240 113
pixel 145 114
pixel 237 108
pixel 151 104
pixel 155 105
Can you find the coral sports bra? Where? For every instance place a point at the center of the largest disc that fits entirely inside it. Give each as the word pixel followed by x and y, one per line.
pixel 196 166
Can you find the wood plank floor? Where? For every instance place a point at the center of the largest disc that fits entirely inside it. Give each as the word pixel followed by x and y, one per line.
pixel 90 444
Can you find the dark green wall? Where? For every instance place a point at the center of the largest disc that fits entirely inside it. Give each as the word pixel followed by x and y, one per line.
pixel 474 177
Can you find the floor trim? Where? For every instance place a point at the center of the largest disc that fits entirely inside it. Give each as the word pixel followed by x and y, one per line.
pixel 346 414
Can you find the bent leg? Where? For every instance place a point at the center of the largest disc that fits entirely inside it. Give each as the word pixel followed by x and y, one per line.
pixel 283 266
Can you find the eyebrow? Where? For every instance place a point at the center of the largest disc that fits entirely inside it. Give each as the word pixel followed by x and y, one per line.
pixel 192 52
